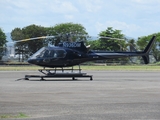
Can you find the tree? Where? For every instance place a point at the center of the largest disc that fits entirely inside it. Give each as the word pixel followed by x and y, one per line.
pixel 27 48
pixel 67 32
pixel 16 35
pixel 143 41
pixel 132 45
pixel 113 44
pixel 2 42
pixel 32 31
pixel 94 45
pixel 110 44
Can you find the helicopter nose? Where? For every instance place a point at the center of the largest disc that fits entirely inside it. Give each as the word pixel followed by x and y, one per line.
pixel 31 61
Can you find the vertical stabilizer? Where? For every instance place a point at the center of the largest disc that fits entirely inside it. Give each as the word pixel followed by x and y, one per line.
pixel 150 44
pixel 148 49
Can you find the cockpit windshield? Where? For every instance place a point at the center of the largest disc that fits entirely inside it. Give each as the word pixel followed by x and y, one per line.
pixel 47 53
pixel 34 56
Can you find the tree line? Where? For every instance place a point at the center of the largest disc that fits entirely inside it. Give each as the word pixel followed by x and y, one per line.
pixel 75 32
pixel 3 42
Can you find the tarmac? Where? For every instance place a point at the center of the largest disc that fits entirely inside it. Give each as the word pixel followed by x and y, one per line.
pixel 122 95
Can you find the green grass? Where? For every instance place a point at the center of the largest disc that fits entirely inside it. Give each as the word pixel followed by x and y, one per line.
pixel 121 67
pixel 20 115
pixel 19 68
pixel 89 67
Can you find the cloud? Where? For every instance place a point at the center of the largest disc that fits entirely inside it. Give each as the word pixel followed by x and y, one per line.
pixel 69 17
pixel 126 28
pixel 133 17
pixel 149 2
pixel 91 5
pixel 62 7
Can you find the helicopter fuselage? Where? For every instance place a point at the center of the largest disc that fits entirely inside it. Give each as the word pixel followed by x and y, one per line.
pixel 74 53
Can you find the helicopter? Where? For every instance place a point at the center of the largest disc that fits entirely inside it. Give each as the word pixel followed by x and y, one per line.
pixel 69 54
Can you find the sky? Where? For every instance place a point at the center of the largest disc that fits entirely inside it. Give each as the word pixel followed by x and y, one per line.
pixel 135 18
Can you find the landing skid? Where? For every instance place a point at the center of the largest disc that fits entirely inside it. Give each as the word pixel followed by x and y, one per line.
pixel 59 73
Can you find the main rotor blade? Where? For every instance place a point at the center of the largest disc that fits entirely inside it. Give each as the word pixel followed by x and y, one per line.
pixel 28 39
pixel 111 38
pixel 95 38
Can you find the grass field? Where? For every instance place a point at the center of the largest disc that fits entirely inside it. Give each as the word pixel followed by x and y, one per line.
pixel 85 67
pixel 9 116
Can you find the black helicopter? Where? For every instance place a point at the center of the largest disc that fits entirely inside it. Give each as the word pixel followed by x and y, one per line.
pixel 68 54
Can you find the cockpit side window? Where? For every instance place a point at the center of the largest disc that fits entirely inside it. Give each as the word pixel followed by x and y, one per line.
pixel 60 53
pixel 47 54
pixel 52 54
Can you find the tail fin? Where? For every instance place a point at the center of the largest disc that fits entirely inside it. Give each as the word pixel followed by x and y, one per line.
pixel 148 49
pixel 149 46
